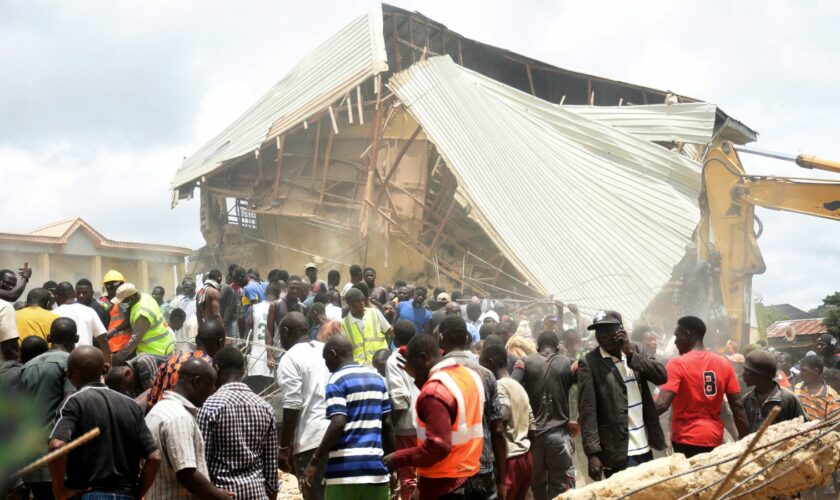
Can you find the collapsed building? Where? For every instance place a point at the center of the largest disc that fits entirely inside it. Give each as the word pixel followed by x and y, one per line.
pixel 400 144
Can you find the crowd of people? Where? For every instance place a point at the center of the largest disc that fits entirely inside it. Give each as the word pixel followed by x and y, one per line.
pixel 368 391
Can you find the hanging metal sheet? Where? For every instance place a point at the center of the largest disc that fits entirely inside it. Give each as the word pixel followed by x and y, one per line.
pixel 584 210
pixel 346 60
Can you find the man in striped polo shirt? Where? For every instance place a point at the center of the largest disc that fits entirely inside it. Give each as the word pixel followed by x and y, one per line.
pixel 618 418
pixel 359 434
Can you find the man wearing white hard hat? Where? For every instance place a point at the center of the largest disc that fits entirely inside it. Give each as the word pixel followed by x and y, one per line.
pixel 149 332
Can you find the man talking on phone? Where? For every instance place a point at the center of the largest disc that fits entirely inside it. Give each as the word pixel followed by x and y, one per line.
pixel 618 417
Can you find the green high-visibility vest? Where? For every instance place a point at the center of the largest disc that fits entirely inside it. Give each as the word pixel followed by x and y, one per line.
pixel 365 344
pixel 157 340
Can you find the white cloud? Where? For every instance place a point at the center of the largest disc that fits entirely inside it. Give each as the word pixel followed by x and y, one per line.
pixel 101 100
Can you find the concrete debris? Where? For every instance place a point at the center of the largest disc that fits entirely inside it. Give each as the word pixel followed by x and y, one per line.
pixel 792 456
pixel 289 488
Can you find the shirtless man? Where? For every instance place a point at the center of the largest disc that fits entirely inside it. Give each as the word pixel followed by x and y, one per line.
pixel 208 306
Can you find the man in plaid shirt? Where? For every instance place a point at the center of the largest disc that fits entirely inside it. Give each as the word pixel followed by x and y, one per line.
pixel 240 433
pixel 210 339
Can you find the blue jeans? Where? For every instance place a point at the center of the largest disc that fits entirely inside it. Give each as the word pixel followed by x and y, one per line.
pixel 98 495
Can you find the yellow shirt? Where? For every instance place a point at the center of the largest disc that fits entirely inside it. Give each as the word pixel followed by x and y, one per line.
pixel 34 321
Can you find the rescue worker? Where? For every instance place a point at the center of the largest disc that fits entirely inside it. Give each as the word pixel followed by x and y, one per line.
pixel 366 328
pixel 449 435
pixel 119 331
pixel 150 334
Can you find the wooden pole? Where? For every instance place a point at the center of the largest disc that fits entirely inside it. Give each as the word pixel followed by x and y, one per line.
pixel 397 160
pixel 327 157
pixel 374 155
pixel 281 141
pixel 259 164
pixel 315 154
pixel 764 425
pixel 397 54
pixel 530 79
pixel 49 457
pixel 443 223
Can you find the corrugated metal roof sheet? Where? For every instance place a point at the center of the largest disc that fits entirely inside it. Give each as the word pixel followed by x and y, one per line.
pixel 688 122
pixel 347 59
pixel 812 326
pixel 583 210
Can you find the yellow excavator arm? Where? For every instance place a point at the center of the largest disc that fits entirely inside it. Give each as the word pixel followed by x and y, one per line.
pixel 726 232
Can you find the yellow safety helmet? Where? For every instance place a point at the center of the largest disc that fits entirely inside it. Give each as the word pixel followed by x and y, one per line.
pixel 113 275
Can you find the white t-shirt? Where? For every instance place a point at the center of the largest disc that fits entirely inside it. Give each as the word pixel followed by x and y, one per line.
pixel 88 324
pixel 257 360
pixel 404 395
pixel 185 337
pixel 303 376
pixel 8 322
pixel 185 303
pixel 333 312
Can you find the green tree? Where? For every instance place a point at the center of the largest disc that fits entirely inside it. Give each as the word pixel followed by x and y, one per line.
pixel 831 320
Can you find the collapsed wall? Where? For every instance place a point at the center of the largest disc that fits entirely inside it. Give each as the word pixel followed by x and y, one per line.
pixel 792 456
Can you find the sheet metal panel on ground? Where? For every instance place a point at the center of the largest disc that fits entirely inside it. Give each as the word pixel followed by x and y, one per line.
pixel 582 209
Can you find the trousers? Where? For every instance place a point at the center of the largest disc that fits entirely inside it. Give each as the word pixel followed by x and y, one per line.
pixel 406 474
pixel 316 491
pixel 553 470
pixel 518 473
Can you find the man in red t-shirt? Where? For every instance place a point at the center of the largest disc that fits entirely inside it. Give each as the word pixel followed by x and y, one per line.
pixel 697 381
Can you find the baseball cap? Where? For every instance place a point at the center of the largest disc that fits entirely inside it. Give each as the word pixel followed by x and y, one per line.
pixel 827 338
pixel 605 318
pixel 443 297
pixel 761 363
pixel 310 265
pixel 125 291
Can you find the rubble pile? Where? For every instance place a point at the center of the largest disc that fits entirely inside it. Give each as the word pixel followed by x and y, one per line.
pixel 791 456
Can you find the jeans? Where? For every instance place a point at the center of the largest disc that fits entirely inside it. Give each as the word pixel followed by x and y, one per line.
pixel 98 495
pixel 316 490
pixel 41 491
pixel 481 487
pixel 553 470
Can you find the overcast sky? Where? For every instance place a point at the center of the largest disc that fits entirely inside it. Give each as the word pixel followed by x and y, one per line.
pixel 101 100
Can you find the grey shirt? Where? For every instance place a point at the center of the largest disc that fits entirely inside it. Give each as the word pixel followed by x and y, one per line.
pixel 548 381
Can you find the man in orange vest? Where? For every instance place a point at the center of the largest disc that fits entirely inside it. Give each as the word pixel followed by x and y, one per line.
pixel 119 330
pixel 449 423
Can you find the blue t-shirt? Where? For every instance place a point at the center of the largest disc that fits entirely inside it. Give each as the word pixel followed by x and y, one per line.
pixel 418 315
pixel 360 394
pixel 251 294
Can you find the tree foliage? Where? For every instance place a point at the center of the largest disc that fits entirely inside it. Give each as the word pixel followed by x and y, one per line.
pixel 831 320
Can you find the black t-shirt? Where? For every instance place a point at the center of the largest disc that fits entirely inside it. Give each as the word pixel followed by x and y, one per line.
pixel 227 303
pixel 110 462
pixel 104 317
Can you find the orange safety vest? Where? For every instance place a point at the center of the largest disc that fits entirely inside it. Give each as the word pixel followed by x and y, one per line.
pixel 119 340
pixel 467 430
